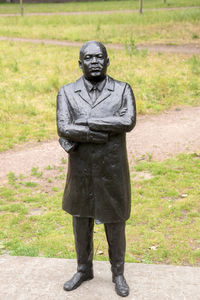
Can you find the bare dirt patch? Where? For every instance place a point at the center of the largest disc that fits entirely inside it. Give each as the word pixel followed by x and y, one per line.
pixel 155 137
pixel 35 211
pixel 183 48
pixel 141 175
pixel 96 12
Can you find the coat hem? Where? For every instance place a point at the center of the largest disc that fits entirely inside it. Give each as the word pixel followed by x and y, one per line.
pixel 97 218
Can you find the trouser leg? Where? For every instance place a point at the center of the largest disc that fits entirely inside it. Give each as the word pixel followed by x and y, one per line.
pixel 115 233
pixel 83 234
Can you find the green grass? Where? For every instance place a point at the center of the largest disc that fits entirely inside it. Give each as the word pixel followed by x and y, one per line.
pixel 92 6
pixel 174 27
pixel 30 76
pixel 163 227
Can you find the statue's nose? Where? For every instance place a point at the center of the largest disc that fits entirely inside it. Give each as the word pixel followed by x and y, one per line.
pixel 94 59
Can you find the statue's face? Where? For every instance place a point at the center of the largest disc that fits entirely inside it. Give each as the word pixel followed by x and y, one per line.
pixel 94 62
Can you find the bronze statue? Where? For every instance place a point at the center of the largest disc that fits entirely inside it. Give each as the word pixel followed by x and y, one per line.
pixel 93 115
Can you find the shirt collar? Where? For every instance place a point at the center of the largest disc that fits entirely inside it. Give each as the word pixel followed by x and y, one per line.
pixel 99 85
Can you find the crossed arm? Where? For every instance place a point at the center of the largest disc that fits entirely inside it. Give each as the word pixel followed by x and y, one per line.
pixel 93 130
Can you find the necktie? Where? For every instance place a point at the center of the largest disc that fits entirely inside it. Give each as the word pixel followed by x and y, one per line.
pixel 94 94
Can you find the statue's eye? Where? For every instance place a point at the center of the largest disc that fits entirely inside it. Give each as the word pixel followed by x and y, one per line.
pixel 87 57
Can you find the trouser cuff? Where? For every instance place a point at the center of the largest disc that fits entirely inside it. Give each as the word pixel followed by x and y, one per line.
pixel 84 268
pixel 118 269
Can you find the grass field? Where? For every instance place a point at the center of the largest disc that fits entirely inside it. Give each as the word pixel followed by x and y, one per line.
pixel 92 6
pixel 163 227
pixel 172 27
pixel 32 74
pixel 165 219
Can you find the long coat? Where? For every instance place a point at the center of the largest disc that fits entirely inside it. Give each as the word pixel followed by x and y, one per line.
pixel 98 183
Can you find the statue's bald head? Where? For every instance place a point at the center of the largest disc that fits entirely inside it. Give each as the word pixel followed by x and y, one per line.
pixel 86 45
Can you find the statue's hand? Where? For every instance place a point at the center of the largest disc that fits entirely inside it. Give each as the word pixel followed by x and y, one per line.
pixel 97 137
pixel 123 111
pixel 81 121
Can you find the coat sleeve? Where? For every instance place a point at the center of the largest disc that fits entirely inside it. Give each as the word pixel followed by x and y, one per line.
pixel 124 121
pixel 70 132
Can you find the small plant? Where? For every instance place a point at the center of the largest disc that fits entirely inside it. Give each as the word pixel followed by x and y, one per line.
pixel 55 189
pixel 35 172
pixel 194 61
pixel 63 161
pixel 195 36
pixel 60 169
pixel 21 176
pixel 14 67
pixel 98 31
pixel 11 177
pixel 48 168
pixel 149 156
pixel 30 184
pixel 130 47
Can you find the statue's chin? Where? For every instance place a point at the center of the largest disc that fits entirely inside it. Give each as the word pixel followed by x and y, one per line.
pixel 96 76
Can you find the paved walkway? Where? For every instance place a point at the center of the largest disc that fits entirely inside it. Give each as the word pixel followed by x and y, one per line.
pixel 97 12
pixel 34 278
pixel 184 48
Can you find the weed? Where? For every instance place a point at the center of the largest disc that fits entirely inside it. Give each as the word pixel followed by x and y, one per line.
pixel 98 31
pixel 60 169
pixel 30 184
pixel 48 168
pixel 25 250
pixel 150 156
pixel 7 193
pixel 195 36
pixel 194 61
pixel 55 189
pixel 63 161
pixel 12 177
pixel 130 47
pixel 14 67
pixel 35 172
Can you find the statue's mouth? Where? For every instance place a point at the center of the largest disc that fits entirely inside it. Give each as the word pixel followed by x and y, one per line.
pixel 95 69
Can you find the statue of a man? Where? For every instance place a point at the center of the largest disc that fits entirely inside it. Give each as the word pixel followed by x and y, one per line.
pixel 93 115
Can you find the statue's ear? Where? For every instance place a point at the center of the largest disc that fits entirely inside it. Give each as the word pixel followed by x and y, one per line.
pixel 80 64
pixel 108 62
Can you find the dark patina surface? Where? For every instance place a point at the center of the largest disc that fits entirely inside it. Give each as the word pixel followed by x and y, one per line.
pixel 93 115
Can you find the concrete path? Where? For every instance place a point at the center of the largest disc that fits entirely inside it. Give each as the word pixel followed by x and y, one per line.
pixel 97 12
pixel 34 278
pixel 184 48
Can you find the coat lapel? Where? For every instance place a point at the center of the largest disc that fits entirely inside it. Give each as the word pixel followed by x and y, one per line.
pixel 80 89
pixel 108 88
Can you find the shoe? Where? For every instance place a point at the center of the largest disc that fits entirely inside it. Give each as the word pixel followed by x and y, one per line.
pixel 121 286
pixel 77 279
